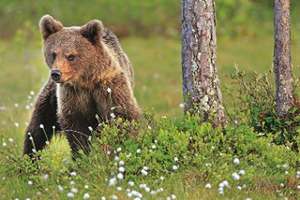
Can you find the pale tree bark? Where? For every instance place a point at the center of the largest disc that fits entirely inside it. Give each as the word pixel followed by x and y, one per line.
pixel 201 85
pixel 282 57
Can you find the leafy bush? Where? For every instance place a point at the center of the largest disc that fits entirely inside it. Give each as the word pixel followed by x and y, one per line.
pixel 257 103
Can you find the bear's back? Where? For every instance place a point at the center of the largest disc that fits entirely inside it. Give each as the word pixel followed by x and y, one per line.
pixel 111 40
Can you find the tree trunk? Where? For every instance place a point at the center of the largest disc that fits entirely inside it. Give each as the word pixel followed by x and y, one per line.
pixel 201 85
pixel 282 57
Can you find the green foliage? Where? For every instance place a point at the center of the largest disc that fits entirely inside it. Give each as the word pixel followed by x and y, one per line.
pixel 162 150
pixel 256 94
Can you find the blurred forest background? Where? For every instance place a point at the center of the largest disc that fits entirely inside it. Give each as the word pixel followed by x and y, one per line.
pixel 150 34
pixel 133 17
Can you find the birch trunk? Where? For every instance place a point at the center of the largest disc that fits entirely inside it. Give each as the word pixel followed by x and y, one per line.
pixel 201 85
pixel 282 57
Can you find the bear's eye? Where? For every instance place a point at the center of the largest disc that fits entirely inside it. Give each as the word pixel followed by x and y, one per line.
pixel 71 58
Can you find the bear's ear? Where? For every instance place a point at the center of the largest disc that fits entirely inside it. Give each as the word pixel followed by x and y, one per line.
pixel 48 26
pixel 92 31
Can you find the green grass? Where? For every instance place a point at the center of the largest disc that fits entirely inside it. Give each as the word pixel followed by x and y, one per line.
pixel 158 89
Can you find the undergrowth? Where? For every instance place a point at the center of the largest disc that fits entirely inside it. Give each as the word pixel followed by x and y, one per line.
pixel 233 161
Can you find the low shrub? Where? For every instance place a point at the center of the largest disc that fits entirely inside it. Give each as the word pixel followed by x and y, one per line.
pixel 256 97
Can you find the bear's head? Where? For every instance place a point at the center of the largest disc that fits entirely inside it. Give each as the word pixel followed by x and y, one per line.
pixel 71 52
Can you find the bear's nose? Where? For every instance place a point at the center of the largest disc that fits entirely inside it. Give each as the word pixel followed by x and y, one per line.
pixel 55 74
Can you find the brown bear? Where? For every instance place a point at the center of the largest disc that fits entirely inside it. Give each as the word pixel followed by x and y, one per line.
pixel 91 79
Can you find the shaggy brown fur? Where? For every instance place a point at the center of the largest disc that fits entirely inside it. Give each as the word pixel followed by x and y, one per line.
pixel 96 79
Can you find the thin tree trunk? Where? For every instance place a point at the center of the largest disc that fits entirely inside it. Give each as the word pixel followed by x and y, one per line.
pixel 201 86
pixel 282 57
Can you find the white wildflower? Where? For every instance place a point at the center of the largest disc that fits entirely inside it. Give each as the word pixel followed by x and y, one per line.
pixel 117 158
pixel 136 194
pixel 208 185
pixel 60 188
pixel 144 172
pixel 131 183
pixel 114 197
pixel 120 176
pixel 285 166
pixel 108 90
pixel 175 167
pixel 73 173
pixel 112 115
pixel 74 190
pixel 298 174
pixel 70 195
pixel 86 196
pixel 235 176
pixel 121 169
pixel 236 161
pixel 112 181
pixel 121 162
pixel 46 176
pixel 221 190
pixel 242 172
pixel 224 184
pixel 147 189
